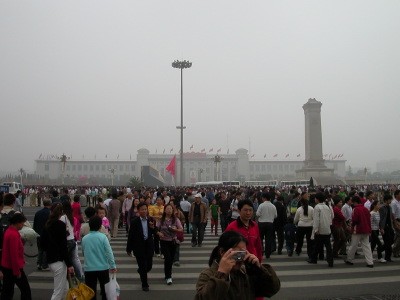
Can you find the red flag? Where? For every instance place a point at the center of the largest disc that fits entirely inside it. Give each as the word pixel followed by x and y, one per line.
pixel 191 147
pixel 276 155
pixel 172 149
pixel 298 155
pixel 211 150
pixel 287 155
pixel 171 166
pixel 203 150
pixel 252 155
pixel 219 150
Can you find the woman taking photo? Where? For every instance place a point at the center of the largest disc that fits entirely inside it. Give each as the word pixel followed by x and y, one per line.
pixel 168 226
pixel 54 240
pixel 304 221
pixel 234 273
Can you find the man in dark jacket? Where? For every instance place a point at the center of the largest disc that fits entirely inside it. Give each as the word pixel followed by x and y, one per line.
pixel 385 226
pixel 39 223
pixel 141 243
pixel 280 222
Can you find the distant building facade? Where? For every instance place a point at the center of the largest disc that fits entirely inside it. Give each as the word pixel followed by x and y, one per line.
pixel 388 166
pixel 197 167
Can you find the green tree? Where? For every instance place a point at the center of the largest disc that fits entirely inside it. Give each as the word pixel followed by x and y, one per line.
pixel 135 182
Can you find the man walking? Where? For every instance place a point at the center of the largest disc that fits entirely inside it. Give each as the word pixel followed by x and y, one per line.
pixel 198 217
pixel 141 243
pixel 266 214
pixel 395 206
pixel 322 221
pixel 39 222
pixel 361 228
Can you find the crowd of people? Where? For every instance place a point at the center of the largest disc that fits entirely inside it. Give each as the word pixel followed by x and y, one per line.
pixel 333 220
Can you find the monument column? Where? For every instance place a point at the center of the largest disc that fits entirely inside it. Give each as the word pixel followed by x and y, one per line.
pixel 314 165
pixel 313 133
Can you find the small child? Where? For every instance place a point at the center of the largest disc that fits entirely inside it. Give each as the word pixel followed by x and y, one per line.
pixel 101 212
pixel 214 207
pixel 290 235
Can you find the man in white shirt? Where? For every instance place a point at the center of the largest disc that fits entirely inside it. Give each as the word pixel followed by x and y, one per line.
pixel 347 211
pixel 108 200
pixel 185 207
pixel 322 221
pixel 266 214
pixel 395 205
pixel 126 206
pixel 370 198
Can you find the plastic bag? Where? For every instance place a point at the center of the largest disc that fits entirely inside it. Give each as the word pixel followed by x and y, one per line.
pixel 28 234
pixel 112 288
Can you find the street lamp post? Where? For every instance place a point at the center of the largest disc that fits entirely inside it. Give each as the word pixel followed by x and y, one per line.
pixel 217 160
pixel 21 173
pixel 181 65
pixel 112 171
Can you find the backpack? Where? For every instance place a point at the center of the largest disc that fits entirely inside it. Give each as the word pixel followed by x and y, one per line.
pixel 4 224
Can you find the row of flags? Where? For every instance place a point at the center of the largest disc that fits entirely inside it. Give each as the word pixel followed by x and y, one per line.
pixel 330 156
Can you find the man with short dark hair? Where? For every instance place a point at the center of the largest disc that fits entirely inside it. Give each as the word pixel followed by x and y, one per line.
pixel 323 216
pixel 266 214
pixel 141 243
pixel 39 222
pixel 395 205
pixel 248 228
pixel 361 228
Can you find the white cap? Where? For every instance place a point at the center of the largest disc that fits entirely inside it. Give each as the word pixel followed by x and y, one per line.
pixel 198 195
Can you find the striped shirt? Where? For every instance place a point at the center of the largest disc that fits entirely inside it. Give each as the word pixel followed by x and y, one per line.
pixel 375 218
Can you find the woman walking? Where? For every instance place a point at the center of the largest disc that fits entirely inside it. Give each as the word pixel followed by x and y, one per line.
pixel 304 219
pixel 168 226
pixel 375 241
pixel 54 240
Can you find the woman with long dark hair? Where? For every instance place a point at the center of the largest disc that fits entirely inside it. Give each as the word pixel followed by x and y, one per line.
pixel 54 242
pixel 234 273
pixel 168 226
pixel 304 221
pixel 68 219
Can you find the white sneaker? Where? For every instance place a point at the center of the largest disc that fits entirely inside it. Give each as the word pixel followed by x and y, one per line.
pixel 382 260
pixel 169 281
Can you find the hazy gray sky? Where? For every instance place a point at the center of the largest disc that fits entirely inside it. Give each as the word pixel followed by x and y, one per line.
pixel 95 77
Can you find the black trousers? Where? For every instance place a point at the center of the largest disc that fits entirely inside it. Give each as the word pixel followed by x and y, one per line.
pixel 300 233
pixel 388 239
pixel 145 264
pixel 156 244
pixel 267 232
pixel 280 235
pixel 320 241
pixel 186 214
pixel 9 281
pixel 91 278
pixel 376 242
pixel 168 249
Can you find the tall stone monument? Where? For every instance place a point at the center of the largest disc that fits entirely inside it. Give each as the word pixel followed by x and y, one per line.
pixel 314 165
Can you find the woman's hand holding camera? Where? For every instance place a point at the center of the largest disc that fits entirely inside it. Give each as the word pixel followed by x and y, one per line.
pixel 252 259
pixel 227 262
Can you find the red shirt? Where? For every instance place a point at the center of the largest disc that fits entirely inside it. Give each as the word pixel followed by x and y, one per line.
pixel 361 220
pixel 338 218
pixel 252 235
pixel 13 251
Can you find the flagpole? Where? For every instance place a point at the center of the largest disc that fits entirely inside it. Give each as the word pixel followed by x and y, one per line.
pixel 181 65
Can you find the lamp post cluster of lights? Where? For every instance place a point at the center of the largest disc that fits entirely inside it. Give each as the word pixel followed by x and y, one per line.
pixel 177 64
